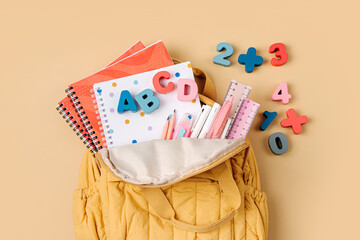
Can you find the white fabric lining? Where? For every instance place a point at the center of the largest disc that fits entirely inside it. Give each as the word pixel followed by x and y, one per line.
pixel 159 162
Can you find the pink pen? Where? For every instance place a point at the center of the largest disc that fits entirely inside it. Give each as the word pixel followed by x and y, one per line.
pixel 184 127
pixel 219 124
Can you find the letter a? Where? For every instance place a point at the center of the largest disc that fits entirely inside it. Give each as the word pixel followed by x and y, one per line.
pixel 126 102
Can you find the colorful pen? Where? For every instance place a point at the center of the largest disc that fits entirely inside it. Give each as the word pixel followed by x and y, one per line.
pixel 199 123
pixel 226 128
pixel 209 121
pixel 219 124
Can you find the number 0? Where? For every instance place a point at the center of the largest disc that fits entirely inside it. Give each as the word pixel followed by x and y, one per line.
pixel 278 143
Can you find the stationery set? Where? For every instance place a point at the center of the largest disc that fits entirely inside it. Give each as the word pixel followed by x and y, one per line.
pixel 142 96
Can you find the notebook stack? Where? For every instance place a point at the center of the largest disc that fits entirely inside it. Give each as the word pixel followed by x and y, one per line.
pixel 136 97
pixel 100 125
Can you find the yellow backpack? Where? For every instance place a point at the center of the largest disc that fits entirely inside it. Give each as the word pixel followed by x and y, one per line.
pixel 179 189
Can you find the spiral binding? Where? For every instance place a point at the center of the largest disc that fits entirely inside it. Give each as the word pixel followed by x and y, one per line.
pixel 72 94
pixel 102 119
pixel 74 127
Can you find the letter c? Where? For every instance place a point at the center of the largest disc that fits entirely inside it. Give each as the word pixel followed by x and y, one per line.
pixel 157 85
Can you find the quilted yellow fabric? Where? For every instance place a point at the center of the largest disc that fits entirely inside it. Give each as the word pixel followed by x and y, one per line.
pixel 105 207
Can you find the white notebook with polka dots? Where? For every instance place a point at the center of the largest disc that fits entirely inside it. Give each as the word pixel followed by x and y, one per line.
pixel 128 126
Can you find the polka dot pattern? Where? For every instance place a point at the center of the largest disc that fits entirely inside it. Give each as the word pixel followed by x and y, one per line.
pixel 125 122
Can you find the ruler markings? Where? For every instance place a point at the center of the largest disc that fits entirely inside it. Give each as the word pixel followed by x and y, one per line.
pixel 239 91
pixel 244 119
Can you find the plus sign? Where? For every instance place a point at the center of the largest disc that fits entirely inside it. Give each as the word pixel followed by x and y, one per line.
pixel 294 121
pixel 250 60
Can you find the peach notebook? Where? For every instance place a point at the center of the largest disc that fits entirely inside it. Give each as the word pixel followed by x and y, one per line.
pixel 68 110
pixel 152 57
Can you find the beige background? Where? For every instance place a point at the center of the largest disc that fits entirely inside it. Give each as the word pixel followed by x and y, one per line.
pixel 44 45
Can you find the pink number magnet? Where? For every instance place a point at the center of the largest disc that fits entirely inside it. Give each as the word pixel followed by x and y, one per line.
pixel 184 127
pixel 281 93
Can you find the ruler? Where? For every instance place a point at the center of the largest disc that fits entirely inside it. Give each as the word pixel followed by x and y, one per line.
pixel 244 119
pixel 239 91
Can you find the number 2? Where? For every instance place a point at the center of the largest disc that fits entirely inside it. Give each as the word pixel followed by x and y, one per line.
pixel 280 53
pixel 220 59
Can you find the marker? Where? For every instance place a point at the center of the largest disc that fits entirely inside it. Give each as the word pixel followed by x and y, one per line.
pixel 184 127
pixel 221 119
pixel 209 121
pixel 171 126
pixel 227 126
pixel 199 123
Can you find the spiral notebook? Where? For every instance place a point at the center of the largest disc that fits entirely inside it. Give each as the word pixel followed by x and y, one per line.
pixel 133 127
pixel 69 112
pixel 150 58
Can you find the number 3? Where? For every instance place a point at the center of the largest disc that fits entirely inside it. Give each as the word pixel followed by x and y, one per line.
pixel 280 53
pixel 220 59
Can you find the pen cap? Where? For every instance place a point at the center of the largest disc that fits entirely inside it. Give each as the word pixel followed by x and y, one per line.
pixel 186 119
pixel 209 121
pixel 184 127
pixel 199 123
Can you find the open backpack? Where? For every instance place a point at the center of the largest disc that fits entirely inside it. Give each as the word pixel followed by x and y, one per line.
pixel 179 189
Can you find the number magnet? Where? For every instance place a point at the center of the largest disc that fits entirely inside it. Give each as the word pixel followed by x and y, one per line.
pixel 250 60
pixel 280 52
pixel 220 59
pixel 278 143
pixel 294 121
pixel 270 116
pixel 281 93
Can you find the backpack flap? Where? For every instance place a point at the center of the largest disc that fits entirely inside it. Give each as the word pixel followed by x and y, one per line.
pixel 159 163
